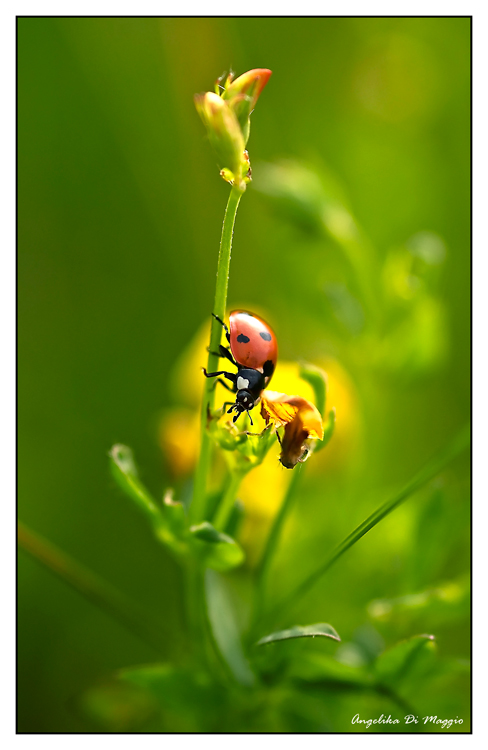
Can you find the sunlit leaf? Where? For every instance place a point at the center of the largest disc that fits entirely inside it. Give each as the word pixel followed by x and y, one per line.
pixel 301 631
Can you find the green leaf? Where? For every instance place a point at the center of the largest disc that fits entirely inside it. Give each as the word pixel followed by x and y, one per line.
pixel 188 699
pixel 217 550
pixel 169 523
pixel 301 631
pixel 393 665
pixel 223 621
pixel 117 707
pixel 174 514
pixel 207 533
pixel 318 380
pixel 328 431
pixel 448 601
pixel 317 667
pixel 125 473
pixel 170 684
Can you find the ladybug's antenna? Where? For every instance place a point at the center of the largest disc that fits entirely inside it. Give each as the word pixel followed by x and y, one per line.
pixel 250 419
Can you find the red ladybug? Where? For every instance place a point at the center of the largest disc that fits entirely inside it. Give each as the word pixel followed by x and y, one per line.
pixel 254 351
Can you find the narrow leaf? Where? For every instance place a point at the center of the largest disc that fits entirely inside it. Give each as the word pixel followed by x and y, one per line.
pixel 318 380
pixel 438 463
pixel 174 514
pixel 91 586
pixel 328 431
pixel 301 631
pixel 394 664
pixel 224 627
pixel 125 473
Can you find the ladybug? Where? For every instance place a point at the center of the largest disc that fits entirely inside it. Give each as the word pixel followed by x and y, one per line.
pixel 254 351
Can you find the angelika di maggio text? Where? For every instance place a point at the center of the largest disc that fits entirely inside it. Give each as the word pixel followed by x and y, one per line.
pixel 409 719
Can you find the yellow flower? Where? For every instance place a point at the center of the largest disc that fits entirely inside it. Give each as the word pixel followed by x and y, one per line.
pixel 177 431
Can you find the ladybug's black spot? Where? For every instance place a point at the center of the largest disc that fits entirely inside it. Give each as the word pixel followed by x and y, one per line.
pixel 268 368
pixel 265 335
pixel 243 339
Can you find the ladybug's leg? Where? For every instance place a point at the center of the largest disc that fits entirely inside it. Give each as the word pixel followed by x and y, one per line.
pixel 227 334
pixel 229 375
pixel 224 352
pixel 222 382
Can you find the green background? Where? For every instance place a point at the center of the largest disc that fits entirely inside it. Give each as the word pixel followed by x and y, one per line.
pixel 119 214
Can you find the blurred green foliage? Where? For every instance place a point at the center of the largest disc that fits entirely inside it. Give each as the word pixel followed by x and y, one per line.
pixel 355 239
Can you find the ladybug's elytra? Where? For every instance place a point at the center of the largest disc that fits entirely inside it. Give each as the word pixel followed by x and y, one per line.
pixel 254 351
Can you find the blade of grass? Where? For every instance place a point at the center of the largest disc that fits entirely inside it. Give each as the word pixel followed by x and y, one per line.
pixel 428 472
pixel 91 586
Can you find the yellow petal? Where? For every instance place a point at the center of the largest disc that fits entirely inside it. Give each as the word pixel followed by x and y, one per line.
pixel 283 409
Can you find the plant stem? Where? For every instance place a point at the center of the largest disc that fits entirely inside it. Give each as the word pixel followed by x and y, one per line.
pixel 195 594
pixel 198 505
pixel 227 503
pixel 91 586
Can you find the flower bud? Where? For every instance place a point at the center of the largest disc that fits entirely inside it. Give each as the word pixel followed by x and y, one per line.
pixel 226 118
pixel 224 133
pixel 243 93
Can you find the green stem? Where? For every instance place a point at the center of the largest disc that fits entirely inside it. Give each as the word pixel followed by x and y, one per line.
pixel 91 586
pixel 194 610
pixel 227 503
pixel 198 505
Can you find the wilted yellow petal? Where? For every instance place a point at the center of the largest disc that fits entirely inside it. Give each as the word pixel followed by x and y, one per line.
pixel 283 409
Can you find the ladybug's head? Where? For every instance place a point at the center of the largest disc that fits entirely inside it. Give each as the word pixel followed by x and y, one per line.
pixel 244 402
